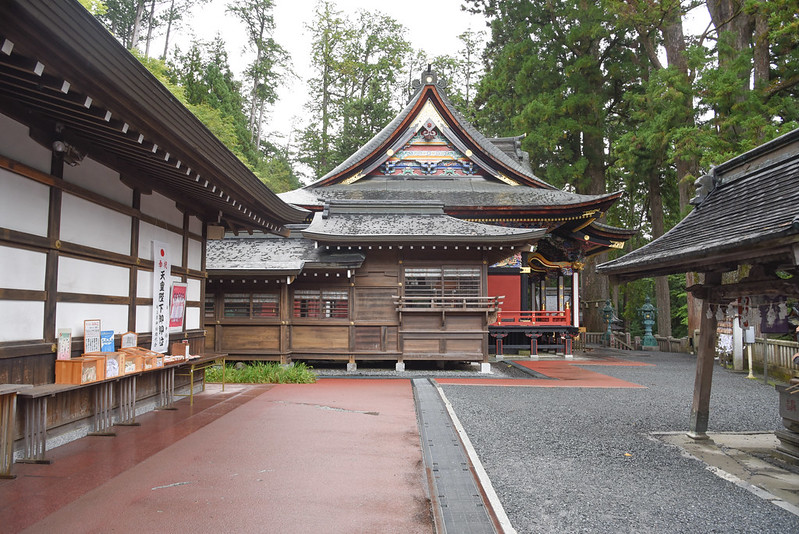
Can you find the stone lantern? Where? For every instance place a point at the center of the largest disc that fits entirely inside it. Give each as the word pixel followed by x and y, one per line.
pixel 607 315
pixel 648 312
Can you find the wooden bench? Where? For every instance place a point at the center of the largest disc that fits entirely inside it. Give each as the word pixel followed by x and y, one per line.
pixel 8 411
pixel 35 407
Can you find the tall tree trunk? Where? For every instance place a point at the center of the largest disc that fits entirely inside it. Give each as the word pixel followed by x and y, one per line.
pixel 596 287
pixel 662 296
pixel 170 16
pixel 761 52
pixel 150 24
pixel 260 124
pixel 134 37
pixel 687 169
pixel 730 16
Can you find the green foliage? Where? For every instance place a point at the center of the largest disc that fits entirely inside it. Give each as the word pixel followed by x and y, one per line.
pixel 679 305
pixel 263 373
pixel 555 70
pixel 277 173
pixel 355 81
pixel 95 7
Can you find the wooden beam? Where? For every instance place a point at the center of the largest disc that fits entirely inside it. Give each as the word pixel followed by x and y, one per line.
pixel 723 294
pixel 705 355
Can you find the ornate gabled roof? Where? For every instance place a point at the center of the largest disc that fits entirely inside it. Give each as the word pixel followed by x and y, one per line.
pixel 274 256
pixel 356 222
pixel 429 152
pixel 747 213
pixel 431 120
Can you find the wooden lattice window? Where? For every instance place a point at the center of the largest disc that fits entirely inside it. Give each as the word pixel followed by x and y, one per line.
pixel 251 305
pixel 210 305
pixel 442 281
pixel 321 304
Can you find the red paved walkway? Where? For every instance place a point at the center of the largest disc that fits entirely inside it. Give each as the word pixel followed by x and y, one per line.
pixel 567 374
pixel 336 456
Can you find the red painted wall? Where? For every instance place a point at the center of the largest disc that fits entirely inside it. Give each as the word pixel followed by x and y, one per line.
pixel 508 285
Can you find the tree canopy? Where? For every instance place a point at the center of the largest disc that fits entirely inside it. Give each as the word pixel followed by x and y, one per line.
pixel 611 94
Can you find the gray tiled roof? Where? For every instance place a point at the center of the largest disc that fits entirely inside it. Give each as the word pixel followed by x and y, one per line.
pixel 274 255
pixel 407 222
pixel 460 191
pixel 754 203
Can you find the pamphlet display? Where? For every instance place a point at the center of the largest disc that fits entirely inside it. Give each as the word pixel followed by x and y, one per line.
pixel 64 344
pixel 91 335
pixel 107 341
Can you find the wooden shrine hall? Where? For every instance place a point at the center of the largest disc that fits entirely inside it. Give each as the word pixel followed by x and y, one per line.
pixel 109 189
pixel 430 242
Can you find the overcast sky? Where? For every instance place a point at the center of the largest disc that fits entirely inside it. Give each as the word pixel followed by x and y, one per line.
pixel 432 26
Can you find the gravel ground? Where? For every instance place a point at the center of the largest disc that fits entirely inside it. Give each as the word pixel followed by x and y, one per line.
pixel 414 369
pixel 558 457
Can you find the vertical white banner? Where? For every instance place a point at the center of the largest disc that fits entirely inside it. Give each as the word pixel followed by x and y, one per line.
pixel 161 286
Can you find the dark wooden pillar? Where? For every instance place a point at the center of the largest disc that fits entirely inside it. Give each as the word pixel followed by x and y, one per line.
pixel 705 354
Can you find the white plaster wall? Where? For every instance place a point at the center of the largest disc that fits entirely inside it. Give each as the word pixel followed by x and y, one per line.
pixel 24 204
pixel 88 277
pixel 193 290
pixel 15 143
pixel 162 208
pixel 21 320
pixel 195 225
pixel 149 233
pixel 192 318
pixel 195 254
pixel 72 314
pixel 22 269
pixel 90 224
pixel 100 179
pixel 144 284
pixel 144 319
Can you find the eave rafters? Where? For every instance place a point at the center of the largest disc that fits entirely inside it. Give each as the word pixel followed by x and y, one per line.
pixel 110 114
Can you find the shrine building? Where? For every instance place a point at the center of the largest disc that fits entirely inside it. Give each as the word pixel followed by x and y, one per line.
pixel 430 242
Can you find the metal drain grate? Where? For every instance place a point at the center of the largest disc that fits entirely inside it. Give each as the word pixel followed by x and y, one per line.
pixel 460 506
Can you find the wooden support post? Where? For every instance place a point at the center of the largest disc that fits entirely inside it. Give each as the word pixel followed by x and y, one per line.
pixel 705 354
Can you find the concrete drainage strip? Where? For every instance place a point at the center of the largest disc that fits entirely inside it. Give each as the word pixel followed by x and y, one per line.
pixel 462 497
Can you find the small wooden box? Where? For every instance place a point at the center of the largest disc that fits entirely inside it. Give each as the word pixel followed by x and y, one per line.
pixel 133 363
pixel 179 348
pixel 81 370
pixel 149 362
pixel 114 364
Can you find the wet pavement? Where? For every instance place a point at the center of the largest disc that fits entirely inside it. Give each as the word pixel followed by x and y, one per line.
pixel 594 444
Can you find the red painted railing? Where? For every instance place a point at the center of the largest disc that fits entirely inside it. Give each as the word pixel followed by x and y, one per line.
pixel 534 318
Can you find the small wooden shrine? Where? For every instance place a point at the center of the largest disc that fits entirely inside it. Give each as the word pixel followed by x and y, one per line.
pixel 422 243
pixel 743 236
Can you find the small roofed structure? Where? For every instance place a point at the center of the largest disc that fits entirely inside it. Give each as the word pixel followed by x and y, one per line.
pixel 743 235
